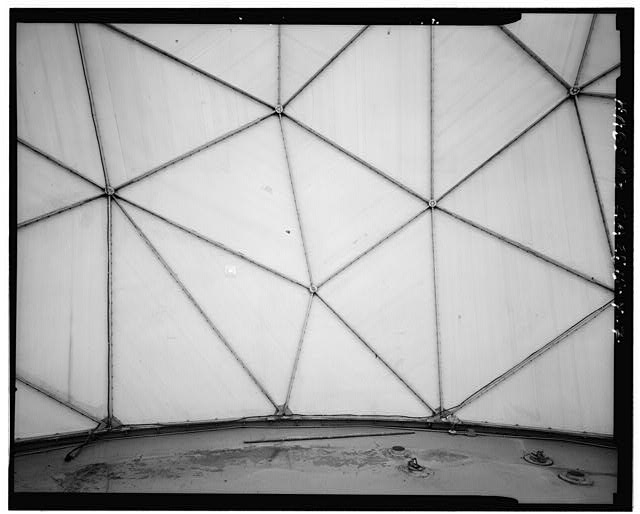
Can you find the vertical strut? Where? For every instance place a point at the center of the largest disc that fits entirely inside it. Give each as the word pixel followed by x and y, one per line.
pixel 435 306
pixel 109 315
pixel 431 192
pixel 279 62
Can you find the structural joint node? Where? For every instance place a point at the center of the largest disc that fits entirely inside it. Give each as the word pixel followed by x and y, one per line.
pixel 313 289
pixel 432 203
pixel 574 91
pixel 110 191
pixel 279 109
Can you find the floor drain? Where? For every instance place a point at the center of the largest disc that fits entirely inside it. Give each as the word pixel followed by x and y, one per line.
pixel 576 477
pixel 538 458
pixel 398 448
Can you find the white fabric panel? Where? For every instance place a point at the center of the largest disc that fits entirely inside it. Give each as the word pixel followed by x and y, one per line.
pixel 61 305
pixel 53 107
pixel 597 120
pixel 168 364
pixel 606 84
pixel 539 192
pixel 558 39
pixel 604 47
pixel 245 56
pixel 44 187
pixel 345 208
pixel 304 49
pixel 260 314
pixel 570 387
pixel 37 415
pixel 238 193
pixel 387 296
pixel 151 109
pixel 337 374
pixel 498 304
pixel 374 101
pixel 486 91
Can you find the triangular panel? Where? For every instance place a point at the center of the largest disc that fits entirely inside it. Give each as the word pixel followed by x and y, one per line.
pixel 345 208
pixel 61 305
pixel 498 304
pixel 569 387
pixel 374 101
pixel 598 118
pixel 150 108
pixel 539 192
pixel 486 91
pixel 604 48
pixel 245 56
pixel 388 298
pixel 238 193
pixel 304 49
pixel 558 39
pixel 53 107
pixel 259 313
pixel 168 364
pixel 44 187
pixel 337 374
pixel 37 415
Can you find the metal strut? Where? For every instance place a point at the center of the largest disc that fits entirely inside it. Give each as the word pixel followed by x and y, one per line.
pixel 599 76
pixel 193 151
pixel 435 306
pixel 55 212
pixel 57 399
pixel 586 46
pixel 193 301
pixel 188 65
pixel 526 249
pixel 298 351
pixel 377 355
pixel 512 371
pixel 326 65
pixel 594 181
pixel 92 106
pixel 535 56
pixel 58 163
pixel 279 62
pixel 295 202
pixel 502 149
pixel 356 158
pixel 212 242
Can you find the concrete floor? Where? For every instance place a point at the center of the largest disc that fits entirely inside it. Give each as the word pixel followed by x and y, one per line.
pixel 219 461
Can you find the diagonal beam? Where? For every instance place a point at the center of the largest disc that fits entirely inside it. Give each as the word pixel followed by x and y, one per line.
pixel 594 180
pixel 194 151
pixel 57 399
pixel 525 248
pixel 431 67
pixel 373 247
pixel 193 301
pixel 377 355
pixel 212 242
pixel 502 149
pixel 295 202
pixel 188 65
pixel 512 371
pixel 297 358
pixel 326 65
pixel 535 56
pixel 435 306
pixel 55 212
pixel 600 75
pixel 608 96
pixel 279 61
pixel 92 106
pixel 586 47
pixel 58 163
pixel 356 158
